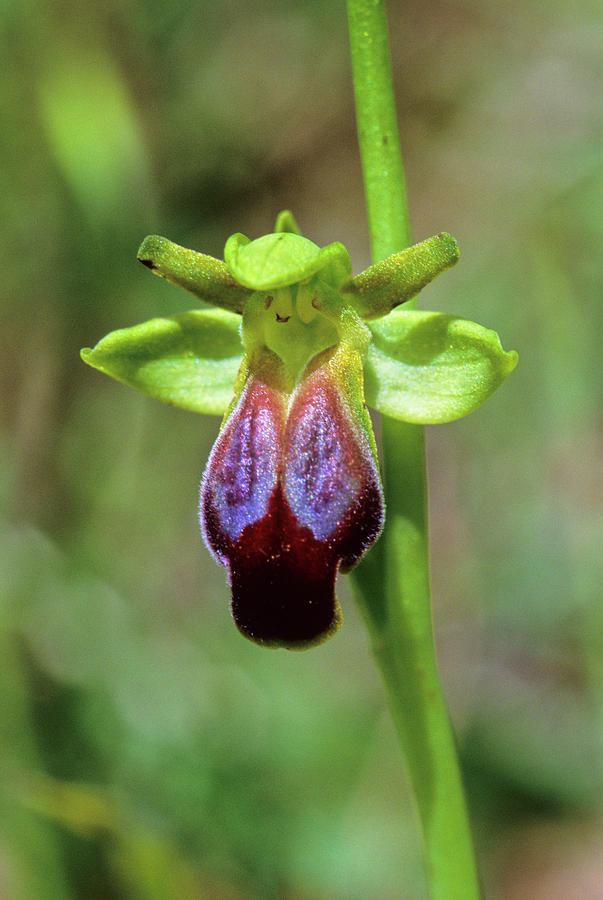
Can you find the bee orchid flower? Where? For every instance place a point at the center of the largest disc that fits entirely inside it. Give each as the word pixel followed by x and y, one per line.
pixel 291 351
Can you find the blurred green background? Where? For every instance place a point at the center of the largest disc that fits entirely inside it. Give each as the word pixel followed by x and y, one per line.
pixel 147 751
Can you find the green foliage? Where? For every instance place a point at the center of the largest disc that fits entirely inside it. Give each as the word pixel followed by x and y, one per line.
pixel 119 668
pixel 401 276
pixel 205 277
pixel 277 260
pixel 190 360
pixel 422 367
pixel 101 155
pixel 427 367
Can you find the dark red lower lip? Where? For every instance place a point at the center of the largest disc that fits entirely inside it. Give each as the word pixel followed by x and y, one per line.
pixel 288 498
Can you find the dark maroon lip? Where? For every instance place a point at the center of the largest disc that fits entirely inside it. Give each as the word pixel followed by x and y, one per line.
pixel 289 498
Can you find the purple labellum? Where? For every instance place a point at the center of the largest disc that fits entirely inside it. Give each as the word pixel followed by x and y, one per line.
pixel 245 460
pixel 287 499
pixel 323 472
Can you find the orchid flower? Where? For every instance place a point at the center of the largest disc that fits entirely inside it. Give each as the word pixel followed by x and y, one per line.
pixel 291 352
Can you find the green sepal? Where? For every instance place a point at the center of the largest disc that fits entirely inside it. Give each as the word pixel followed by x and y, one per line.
pixel 283 259
pixel 427 367
pixel 201 275
pixel 190 360
pixel 285 221
pixel 381 287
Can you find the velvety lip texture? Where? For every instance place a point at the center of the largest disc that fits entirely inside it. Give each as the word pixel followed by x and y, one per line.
pixel 291 493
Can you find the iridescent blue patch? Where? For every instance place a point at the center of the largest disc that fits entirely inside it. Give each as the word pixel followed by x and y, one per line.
pixel 321 482
pixel 243 469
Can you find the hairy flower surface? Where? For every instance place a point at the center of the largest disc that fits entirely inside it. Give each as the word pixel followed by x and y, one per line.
pixel 291 493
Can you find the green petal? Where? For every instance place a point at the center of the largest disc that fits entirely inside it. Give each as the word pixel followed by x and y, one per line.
pixel 427 367
pixel 190 360
pixel 201 275
pixel 386 284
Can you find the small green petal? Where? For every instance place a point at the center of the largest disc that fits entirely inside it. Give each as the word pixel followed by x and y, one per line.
pixel 427 367
pixel 190 360
pixel 285 221
pixel 201 275
pixel 377 290
pixel 279 260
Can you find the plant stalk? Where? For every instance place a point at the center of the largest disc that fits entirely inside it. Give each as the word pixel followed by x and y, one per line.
pixel 393 581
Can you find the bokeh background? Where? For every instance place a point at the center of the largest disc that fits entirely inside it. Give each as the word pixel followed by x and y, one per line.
pixel 147 750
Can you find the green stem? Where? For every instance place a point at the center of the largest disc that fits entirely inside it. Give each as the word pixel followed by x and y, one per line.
pixel 393 581
pixel 382 168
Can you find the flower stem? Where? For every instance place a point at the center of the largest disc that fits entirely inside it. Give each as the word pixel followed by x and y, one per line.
pixel 393 580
